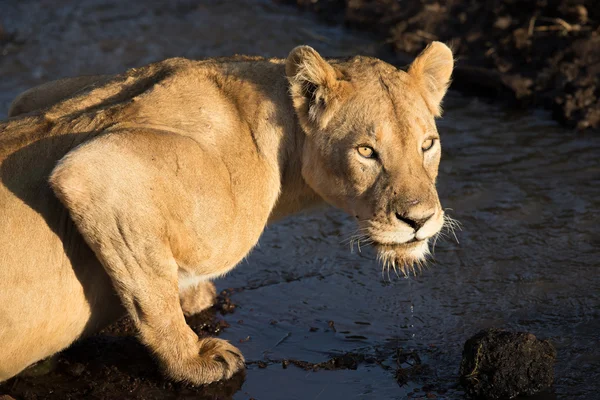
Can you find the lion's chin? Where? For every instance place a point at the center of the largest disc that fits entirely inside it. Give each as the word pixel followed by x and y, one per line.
pixel 403 257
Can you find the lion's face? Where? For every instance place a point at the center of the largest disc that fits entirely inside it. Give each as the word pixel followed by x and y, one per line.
pixel 372 148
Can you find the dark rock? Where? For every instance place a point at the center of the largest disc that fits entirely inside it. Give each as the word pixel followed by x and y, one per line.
pixel 499 364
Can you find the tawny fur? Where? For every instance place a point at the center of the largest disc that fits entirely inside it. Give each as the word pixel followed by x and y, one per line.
pixel 128 193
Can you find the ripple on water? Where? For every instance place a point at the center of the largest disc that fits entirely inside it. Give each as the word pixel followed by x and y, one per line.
pixel 526 191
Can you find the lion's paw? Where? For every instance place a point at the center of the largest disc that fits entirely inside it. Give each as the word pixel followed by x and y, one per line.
pixel 217 359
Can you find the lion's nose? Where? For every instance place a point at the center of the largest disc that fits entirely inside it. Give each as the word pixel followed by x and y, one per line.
pixel 414 223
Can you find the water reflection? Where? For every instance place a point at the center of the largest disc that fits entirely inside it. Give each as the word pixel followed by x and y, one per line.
pixel 526 191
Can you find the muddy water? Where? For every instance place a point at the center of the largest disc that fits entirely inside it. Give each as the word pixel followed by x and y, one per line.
pixel 526 192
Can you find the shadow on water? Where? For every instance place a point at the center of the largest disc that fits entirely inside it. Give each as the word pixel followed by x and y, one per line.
pixel 526 192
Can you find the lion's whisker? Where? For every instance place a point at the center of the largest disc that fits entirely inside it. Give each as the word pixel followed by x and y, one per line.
pixel 452 225
pixel 352 237
pixel 395 269
pixel 435 239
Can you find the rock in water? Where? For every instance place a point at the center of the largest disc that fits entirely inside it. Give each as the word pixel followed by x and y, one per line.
pixel 498 364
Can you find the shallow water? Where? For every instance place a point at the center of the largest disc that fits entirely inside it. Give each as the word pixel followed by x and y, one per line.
pixel 525 190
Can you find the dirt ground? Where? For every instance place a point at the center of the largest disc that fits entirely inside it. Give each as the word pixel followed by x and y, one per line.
pixel 313 319
pixel 542 53
pixel 113 364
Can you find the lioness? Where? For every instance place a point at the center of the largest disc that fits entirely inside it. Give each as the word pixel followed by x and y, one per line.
pixel 131 192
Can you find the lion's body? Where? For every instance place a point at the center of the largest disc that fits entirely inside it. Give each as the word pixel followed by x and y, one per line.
pixel 47 273
pixel 43 255
pixel 128 193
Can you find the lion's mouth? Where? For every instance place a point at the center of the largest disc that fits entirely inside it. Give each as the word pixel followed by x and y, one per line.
pixel 403 257
pixel 397 250
pixel 408 244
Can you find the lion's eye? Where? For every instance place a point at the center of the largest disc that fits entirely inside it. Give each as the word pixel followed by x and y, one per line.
pixel 428 144
pixel 366 151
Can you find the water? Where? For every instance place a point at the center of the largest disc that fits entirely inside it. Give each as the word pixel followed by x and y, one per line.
pixel 526 191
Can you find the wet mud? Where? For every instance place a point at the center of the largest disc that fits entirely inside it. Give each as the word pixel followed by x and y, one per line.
pixel 314 319
pixel 540 53
pixel 114 364
pixel 499 364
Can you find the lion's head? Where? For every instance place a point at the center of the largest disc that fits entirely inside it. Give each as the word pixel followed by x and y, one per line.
pixel 372 147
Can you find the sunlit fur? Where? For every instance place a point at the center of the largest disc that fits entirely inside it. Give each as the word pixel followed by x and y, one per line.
pixel 127 193
pixel 403 260
pixel 346 105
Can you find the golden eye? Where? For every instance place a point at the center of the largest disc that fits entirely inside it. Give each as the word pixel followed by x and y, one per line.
pixel 366 151
pixel 428 144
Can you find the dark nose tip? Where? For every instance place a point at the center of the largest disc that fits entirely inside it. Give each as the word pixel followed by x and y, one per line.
pixel 416 224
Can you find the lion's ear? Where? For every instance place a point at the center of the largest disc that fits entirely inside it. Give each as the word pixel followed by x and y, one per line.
pixel 313 85
pixel 432 69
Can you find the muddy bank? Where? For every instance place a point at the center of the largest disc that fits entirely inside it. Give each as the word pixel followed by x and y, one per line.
pixel 533 53
pixel 114 364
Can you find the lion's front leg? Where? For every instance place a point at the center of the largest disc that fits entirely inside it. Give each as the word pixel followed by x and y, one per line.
pixel 119 206
pixel 197 297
